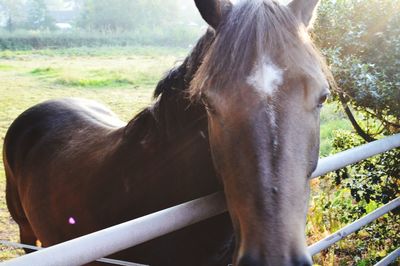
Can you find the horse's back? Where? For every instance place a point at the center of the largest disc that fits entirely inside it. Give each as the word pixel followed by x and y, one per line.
pixel 55 123
pixel 49 151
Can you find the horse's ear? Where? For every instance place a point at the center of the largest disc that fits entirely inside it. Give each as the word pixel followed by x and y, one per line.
pixel 304 10
pixel 212 11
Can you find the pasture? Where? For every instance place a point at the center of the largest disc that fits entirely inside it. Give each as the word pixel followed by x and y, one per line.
pixel 122 78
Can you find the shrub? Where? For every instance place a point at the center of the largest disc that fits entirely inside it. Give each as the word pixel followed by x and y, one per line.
pixel 27 40
pixel 361 39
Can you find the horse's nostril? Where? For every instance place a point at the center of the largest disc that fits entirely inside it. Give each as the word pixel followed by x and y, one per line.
pixel 248 260
pixel 303 261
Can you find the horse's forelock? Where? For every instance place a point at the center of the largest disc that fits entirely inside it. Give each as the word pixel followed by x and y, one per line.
pixel 253 30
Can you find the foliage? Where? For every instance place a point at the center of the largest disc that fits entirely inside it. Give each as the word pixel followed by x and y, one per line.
pixel 102 15
pixel 376 179
pixel 332 118
pixel 103 23
pixel 125 15
pixel 351 193
pixel 26 40
pixel 38 16
pixel 14 13
pixel 361 40
pixel 335 208
pixel 27 14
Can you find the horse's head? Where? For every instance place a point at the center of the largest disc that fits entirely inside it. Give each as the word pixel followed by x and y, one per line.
pixel 263 84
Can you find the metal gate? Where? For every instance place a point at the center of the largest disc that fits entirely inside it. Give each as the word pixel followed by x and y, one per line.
pixel 111 240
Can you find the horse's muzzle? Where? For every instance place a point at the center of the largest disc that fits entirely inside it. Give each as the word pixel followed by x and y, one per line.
pixel 247 260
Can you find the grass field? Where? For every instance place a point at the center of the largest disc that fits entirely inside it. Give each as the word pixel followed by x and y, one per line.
pixel 122 78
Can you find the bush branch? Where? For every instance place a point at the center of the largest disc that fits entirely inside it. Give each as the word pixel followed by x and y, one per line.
pixel 354 122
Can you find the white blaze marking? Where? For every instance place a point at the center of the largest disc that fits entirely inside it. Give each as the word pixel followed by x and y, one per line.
pixel 266 77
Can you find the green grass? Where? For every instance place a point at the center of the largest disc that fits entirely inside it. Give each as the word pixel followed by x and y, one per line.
pixel 101 82
pixel 5 67
pixel 332 119
pixel 44 71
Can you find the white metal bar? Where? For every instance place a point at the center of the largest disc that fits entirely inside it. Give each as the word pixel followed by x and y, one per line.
pixel 108 241
pixel 354 155
pixel 105 260
pixel 18 245
pixel 351 228
pixel 390 258
pixel 88 248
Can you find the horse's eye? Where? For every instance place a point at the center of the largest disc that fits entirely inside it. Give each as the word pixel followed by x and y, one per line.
pixel 204 100
pixel 322 100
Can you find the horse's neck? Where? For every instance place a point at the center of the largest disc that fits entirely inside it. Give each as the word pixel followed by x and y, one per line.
pixel 173 114
pixel 173 111
pixel 176 116
pixel 173 127
pixel 164 152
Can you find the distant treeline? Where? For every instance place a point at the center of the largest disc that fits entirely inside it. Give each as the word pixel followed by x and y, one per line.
pixel 26 40
pixel 100 15
pixel 32 24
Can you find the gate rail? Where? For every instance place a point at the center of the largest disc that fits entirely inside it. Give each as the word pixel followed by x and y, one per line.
pixel 351 228
pixel 111 240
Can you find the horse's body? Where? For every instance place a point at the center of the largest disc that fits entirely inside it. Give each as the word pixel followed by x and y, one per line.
pixel 73 168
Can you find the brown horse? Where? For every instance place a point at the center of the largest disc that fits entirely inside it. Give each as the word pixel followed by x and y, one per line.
pixel 250 127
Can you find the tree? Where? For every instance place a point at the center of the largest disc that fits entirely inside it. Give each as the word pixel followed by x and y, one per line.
pixel 361 40
pixel 38 16
pixel 15 13
pixel 125 15
pixel 10 25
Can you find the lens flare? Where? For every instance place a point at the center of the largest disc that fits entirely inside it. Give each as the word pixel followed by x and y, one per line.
pixel 71 220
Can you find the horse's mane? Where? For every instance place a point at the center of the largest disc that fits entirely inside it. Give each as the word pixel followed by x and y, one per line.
pixel 255 29
pixel 179 78
pixel 171 95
